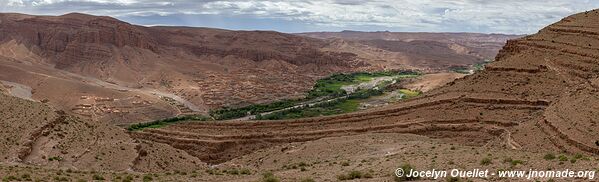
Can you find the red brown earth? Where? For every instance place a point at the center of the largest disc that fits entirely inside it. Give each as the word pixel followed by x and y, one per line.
pixel 423 51
pixel 210 68
pixel 113 69
pixel 538 97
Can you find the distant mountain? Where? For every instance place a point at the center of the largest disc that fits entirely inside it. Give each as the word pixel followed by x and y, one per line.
pixel 210 68
pixel 539 96
pixel 427 50
pixel 142 73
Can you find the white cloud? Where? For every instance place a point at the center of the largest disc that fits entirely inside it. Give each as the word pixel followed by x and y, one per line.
pixel 506 16
pixel 16 3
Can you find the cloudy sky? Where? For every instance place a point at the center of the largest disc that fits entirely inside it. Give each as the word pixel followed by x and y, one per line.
pixel 487 16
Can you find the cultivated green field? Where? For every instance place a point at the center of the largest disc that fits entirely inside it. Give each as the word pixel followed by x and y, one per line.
pixel 326 98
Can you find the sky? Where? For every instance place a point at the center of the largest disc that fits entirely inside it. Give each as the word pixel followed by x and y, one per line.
pixel 483 16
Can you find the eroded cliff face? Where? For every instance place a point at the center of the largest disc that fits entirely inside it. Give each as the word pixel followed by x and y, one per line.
pixel 209 67
pixel 71 39
pixel 61 39
pixel 539 96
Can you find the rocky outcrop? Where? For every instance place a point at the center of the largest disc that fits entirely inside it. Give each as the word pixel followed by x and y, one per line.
pixel 73 38
pixel 539 96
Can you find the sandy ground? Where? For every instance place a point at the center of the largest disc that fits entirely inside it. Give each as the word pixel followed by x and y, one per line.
pixel 431 81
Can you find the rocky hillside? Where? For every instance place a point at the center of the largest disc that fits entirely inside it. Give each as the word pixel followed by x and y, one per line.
pixel 424 50
pixel 72 39
pixel 537 100
pixel 203 68
pixel 539 96
pixel 127 73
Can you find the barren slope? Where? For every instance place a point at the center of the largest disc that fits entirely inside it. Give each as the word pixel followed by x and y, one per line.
pixel 540 95
pixel 35 134
pixel 417 50
pixel 200 68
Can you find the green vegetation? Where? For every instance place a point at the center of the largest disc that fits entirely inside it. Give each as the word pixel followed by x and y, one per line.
pixel 329 87
pixel 549 156
pixel 97 177
pixel 354 175
pixel 480 66
pixel 342 105
pixel 308 180
pixel 345 163
pixel 232 113
pixel 513 162
pixel 563 158
pixel 128 179
pixel 214 172
pixel 466 69
pixel 10 178
pixel 163 122
pixel 59 178
pixel 409 93
pixel 269 177
pixel 55 158
pixel 460 69
pixel 486 161
pixel 26 177
pixel 147 178
pixel 323 109
pixel 580 156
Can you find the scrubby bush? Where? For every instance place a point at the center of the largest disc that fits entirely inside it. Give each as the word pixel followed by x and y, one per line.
pixel 55 158
pixel 486 161
pixel 162 122
pixel 97 177
pixel 25 177
pixel 245 172
pixel 345 163
pixel 269 177
pixel 308 180
pixel 516 162
pixel 147 178
pixel 128 179
pixel 549 156
pixel 353 175
pixel 10 178
pixel 563 158
pixel 58 178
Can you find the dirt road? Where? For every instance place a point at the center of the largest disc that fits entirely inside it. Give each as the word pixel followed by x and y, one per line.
pixel 18 90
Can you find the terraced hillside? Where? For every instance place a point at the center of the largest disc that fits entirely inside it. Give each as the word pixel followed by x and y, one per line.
pixel 540 95
pixel 140 73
